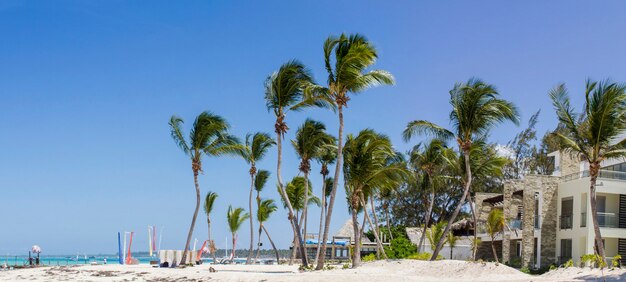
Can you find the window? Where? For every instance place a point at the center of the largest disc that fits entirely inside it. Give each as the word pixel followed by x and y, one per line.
pixel 566 250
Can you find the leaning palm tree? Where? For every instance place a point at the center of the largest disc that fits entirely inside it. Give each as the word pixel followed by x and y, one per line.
pixel 259 183
pixel 494 225
pixel 476 108
pixel 209 200
pixel 235 218
pixel 352 54
pixel 252 151
pixel 283 93
pixel 326 156
pixel 209 136
pixel 428 159
pixel 266 208
pixel 593 135
pixel 366 167
pixel 311 136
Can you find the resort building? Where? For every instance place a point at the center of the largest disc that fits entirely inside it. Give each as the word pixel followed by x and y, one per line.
pixel 548 217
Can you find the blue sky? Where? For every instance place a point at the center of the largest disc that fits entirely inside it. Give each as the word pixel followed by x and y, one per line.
pixel 87 88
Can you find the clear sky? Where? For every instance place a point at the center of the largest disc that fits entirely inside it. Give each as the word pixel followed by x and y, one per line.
pixel 87 88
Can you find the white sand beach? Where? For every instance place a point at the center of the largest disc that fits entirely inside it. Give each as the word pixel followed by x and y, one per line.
pixel 401 270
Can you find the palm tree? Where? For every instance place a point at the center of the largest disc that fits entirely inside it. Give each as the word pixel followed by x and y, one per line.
pixel 209 136
pixel 429 160
pixel 208 207
pixel 310 138
pixel 495 225
pixel 476 108
pixel 266 208
pixel 296 195
pixel 235 218
pixel 594 134
pixel 367 166
pixel 452 242
pixel 259 183
pixel 284 92
pixel 254 149
pixel 326 156
pixel 435 234
pixel 486 164
pixel 353 54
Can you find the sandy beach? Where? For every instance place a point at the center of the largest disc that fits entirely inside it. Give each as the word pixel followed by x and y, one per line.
pixel 401 270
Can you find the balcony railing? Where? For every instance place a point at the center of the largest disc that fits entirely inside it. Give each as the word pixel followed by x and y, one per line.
pixel 605 219
pixel 605 174
pixel 516 224
pixel 565 221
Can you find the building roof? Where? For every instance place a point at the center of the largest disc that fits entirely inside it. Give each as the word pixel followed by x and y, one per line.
pixel 347 230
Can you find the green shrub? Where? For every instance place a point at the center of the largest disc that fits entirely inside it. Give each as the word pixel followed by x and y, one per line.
pixel 423 256
pixel 553 267
pixel 400 248
pixel 525 270
pixel 345 266
pixel 515 262
pixel 370 257
pixel 616 260
pixel 568 263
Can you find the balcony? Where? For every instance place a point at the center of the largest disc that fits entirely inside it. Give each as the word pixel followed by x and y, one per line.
pixel 516 224
pixel 565 221
pixel 608 220
pixel 604 174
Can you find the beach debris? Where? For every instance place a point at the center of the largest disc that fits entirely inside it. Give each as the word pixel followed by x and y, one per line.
pixel 211 269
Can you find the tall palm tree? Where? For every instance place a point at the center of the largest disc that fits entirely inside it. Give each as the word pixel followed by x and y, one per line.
pixel 351 55
pixel 326 156
pixel 283 93
pixel 429 159
pixel 209 200
pixel 366 166
pixel 311 136
pixel 209 136
pixel 252 151
pixel 266 208
pixel 476 108
pixel 235 218
pixel 486 164
pixel 295 192
pixel 593 135
pixel 495 225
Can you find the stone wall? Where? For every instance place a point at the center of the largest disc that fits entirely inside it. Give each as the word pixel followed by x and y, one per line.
pixel 485 253
pixel 546 186
pixel 569 163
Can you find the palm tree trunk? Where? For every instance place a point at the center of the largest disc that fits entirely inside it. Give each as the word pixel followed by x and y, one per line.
pixel 475 219
pixel 295 246
pixel 193 220
pixel 232 254
pixel 379 244
pixel 305 209
pixel 272 243
pixel 322 209
pixel 493 249
pixel 594 212
pixel 356 253
pixel 451 249
pixel 377 230
pixel 387 219
pixel 258 248
pixel 251 251
pixel 294 222
pixel 208 221
pixel 333 193
pixel 430 211
pixel 468 184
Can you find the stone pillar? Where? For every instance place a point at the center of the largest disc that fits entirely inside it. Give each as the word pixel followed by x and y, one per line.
pixel 508 190
pixel 569 163
pixel 528 223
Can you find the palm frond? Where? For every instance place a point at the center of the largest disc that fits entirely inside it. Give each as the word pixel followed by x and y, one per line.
pixel 176 132
pixel 209 200
pixel 423 127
